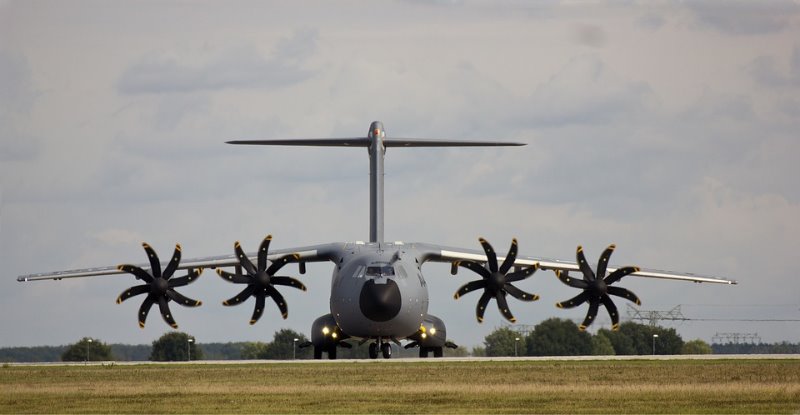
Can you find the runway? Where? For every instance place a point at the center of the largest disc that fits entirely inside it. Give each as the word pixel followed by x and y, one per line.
pixel 432 360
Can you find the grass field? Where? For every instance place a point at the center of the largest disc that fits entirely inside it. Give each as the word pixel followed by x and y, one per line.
pixel 637 386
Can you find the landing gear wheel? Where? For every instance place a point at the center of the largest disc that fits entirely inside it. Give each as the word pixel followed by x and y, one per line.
pixel 423 352
pixel 332 352
pixel 317 353
pixel 386 349
pixel 373 350
pixel 438 352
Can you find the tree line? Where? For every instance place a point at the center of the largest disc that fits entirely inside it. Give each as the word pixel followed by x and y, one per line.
pixel 552 337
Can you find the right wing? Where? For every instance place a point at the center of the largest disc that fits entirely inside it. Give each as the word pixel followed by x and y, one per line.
pixel 314 253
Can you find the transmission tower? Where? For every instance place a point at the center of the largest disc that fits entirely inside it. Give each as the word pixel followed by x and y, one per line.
pixel 652 317
pixel 736 338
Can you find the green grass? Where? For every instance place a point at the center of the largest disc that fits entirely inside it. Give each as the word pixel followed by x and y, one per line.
pixel 695 386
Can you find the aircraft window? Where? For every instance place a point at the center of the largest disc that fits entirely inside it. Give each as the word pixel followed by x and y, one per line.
pixel 380 271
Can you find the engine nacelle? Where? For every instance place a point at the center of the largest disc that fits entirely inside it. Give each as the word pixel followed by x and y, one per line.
pixel 326 336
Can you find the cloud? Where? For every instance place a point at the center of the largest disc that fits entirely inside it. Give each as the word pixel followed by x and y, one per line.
pixel 590 35
pixel 766 70
pixel 236 69
pixel 744 17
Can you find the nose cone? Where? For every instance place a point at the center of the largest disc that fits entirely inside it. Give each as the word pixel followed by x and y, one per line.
pixel 380 302
pixel 375 128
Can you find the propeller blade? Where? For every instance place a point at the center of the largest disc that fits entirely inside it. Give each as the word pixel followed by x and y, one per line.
pixel 241 297
pixel 476 268
pixel 574 301
pixel 288 282
pixel 137 272
pixel 481 308
pixel 234 278
pixel 588 274
pixel 519 294
pixel 155 265
pixel 508 262
pixel 164 308
pixel 491 256
pixel 186 279
pixel 469 287
pixel 173 263
pixel 278 298
pixel 262 253
pixel 243 259
pixel 612 311
pixel 618 274
pixel 626 294
pixel 183 300
pixel 144 309
pixel 133 291
pixel 502 304
pixel 603 262
pixel 280 262
pixel 572 282
pixel 259 309
pixel 590 315
pixel 522 274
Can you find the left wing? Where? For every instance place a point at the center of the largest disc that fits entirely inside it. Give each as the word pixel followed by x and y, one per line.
pixel 439 253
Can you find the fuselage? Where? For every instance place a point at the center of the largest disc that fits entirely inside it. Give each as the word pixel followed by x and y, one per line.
pixel 378 290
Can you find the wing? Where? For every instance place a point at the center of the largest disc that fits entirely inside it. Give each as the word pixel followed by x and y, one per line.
pixel 437 253
pixel 314 253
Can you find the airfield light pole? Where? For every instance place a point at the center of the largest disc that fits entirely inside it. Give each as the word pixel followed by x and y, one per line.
pixel 655 336
pixel 516 340
pixel 88 343
pixel 294 346
pixel 189 342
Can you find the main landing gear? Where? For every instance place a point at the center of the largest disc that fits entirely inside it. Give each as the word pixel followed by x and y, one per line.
pixel 385 349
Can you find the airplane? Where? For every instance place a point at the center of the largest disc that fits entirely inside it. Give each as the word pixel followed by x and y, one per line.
pixel 378 291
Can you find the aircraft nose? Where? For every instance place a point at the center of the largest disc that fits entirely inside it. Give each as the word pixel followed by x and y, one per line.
pixel 380 302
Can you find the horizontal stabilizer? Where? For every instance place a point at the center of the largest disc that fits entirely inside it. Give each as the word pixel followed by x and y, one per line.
pixel 365 142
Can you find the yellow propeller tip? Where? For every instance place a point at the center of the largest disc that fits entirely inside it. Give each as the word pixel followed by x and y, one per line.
pixel 119 300
pixel 559 305
pixel 141 325
pixel 174 326
pixel 582 327
pixel 225 302
pixel 285 315
pixel 535 297
pixel 253 322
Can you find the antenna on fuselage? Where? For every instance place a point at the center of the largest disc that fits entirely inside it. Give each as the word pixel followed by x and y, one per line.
pixel 376 143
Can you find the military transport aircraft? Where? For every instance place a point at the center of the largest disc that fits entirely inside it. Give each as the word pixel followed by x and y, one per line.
pixel 378 292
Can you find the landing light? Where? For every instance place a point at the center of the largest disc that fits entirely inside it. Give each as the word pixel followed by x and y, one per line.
pixel 334 335
pixel 424 336
pixel 325 330
pixel 433 331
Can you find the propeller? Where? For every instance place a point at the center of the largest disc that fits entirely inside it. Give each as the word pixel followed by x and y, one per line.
pixel 496 281
pixel 260 279
pixel 597 290
pixel 159 285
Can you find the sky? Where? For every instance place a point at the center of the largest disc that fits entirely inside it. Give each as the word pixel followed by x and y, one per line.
pixel 668 128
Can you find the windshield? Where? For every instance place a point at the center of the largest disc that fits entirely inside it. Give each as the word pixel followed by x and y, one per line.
pixel 380 271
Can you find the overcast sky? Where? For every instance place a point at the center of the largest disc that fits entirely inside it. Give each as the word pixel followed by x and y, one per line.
pixel 668 128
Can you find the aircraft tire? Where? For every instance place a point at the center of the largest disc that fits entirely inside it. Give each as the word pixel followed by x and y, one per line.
pixel 386 350
pixel 423 352
pixel 373 350
pixel 438 352
pixel 317 353
pixel 332 353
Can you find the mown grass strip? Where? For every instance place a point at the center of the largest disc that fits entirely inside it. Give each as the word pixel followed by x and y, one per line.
pixel 684 386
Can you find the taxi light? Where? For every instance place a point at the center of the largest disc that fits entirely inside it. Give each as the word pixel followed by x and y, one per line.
pixel 424 336
pixel 433 331
pixel 334 335
pixel 325 330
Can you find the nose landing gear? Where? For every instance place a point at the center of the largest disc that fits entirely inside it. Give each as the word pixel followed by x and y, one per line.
pixel 384 347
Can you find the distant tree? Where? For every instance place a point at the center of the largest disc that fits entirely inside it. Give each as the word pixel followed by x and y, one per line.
pixel 253 350
pixel 558 337
pixel 282 345
pixel 601 345
pixel 478 351
pixel 91 349
pixel 173 347
pixel 696 347
pixel 502 341
pixel 460 351
pixel 637 339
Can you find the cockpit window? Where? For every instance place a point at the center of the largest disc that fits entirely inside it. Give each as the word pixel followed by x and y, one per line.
pixel 380 271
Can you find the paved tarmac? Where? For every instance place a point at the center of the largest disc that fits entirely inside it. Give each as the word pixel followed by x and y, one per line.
pixel 439 360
